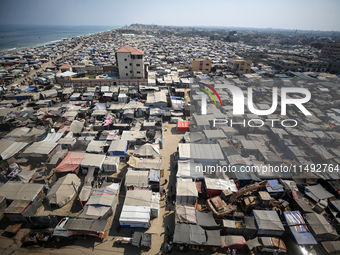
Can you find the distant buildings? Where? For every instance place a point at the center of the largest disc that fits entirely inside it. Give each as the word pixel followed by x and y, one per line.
pixel 130 62
pixel 239 65
pixel 331 52
pixel 201 64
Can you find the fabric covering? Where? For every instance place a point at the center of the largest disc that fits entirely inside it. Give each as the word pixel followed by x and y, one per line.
pixel 268 222
pixel 186 214
pixel 189 234
pixel 320 227
pixel 63 190
pixel 205 219
pixel 331 247
pixel 227 241
pixel 71 162
pixel 147 150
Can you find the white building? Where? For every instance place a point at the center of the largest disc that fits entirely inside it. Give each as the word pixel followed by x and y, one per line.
pixel 130 61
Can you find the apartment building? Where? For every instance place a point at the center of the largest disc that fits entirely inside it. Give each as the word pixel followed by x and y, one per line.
pixel 201 64
pixel 130 62
pixel 239 65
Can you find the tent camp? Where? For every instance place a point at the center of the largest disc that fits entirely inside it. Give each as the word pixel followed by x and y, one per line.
pixel 268 223
pixel 63 190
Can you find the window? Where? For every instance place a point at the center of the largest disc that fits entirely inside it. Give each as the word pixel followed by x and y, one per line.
pixel 130 64
pixel 138 71
pixel 207 64
pixel 130 71
pixel 125 67
pixel 137 64
pixel 127 74
pixel 125 59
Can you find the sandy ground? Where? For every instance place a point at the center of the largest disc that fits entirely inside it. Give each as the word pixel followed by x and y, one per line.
pixel 95 246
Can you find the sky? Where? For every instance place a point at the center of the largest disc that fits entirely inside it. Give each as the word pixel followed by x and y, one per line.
pixel 283 14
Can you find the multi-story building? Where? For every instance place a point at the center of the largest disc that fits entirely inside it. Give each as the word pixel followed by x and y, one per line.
pixel 314 66
pixel 331 51
pixel 287 65
pixel 130 62
pixel 201 64
pixel 239 65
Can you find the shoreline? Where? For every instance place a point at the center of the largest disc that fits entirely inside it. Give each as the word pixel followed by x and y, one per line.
pixel 15 49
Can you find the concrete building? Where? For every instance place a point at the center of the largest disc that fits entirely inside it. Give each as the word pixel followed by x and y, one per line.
pixel 287 65
pixel 331 51
pixel 130 62
pixel 201 64
pixel 239 65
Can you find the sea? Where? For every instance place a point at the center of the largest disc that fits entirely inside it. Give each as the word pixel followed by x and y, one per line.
pixel 15 37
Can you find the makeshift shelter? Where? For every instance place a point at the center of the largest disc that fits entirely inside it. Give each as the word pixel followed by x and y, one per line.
pixel 138 179
pixel 317 193
pixel 102 203
pixel 189 169
pixel 214 186
pixel 268 223
pixel 298 228
pixel 77 126
pixel 321 229
pixel 71 162
pixel 111 164
pixel 118 148
pixel 331 247
pixel 185 214
pixel 206 220
pixel 40 151
pixel 145 163
pixel 249 227
pixel 136 210
pixel 11 148
pixel 95 160
pixel 189 234
pixel 147 150
pixel 186 193
pixel 95 147
pixel 90 227
pixel 233 242
pixel 213 238
pixel 63 190
pixel 22 191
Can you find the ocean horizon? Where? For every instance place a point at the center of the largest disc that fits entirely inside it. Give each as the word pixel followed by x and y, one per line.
pixel 16 37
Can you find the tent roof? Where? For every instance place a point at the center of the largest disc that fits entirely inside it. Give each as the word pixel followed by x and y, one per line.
pixel 147 150
pixel 268 220
pixel 186 214
pixel 20 191
pixel 70 162
pixel 205 219
pixel 137 178
pixel 63 190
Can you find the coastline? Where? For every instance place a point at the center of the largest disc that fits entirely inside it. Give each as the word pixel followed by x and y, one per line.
pixel 29 46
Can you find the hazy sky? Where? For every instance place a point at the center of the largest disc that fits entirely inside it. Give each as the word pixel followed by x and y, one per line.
pixel 287 14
